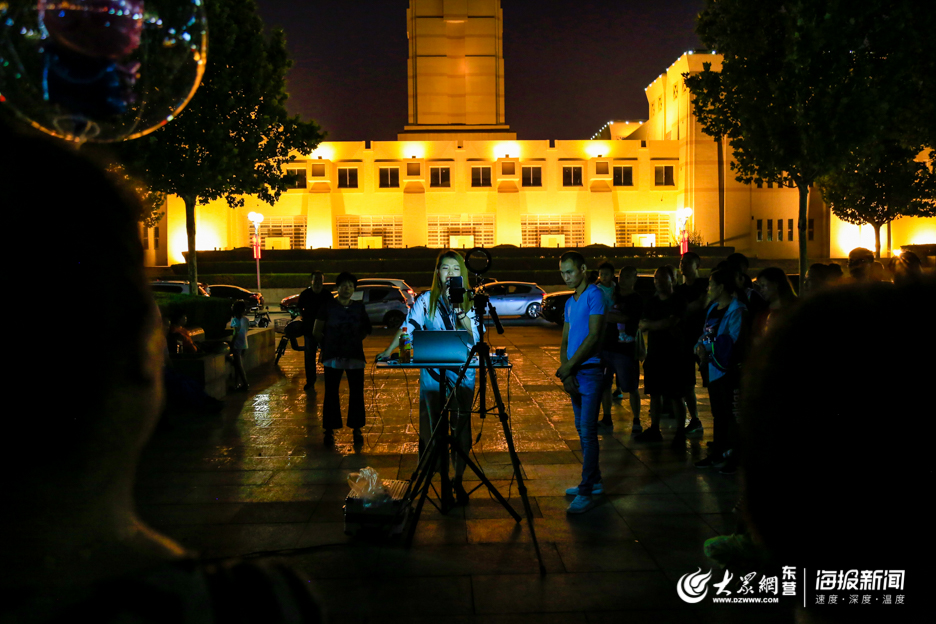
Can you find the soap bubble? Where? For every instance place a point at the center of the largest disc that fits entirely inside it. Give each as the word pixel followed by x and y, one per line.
pixel 100 70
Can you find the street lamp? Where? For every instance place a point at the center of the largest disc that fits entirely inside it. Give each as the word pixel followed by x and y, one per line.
pixel 256 218
pixel 682 221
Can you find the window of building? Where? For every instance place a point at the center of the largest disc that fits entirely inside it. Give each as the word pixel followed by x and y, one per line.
pixel 790 229
pixel 288 232
pixel 810 229
pixel 567 228
pixel 760 230
pixel 601 168
pixel 769 184
pixel 759 183
pixel 347 177
pixel 156 237
pixel 769 230
pixel 480 176
pixel 145 236
pixel 571 176
pixel 389 177
pixel 663 176
pixel 675 91
pixel 780 230
pixel 508 168
pixel 636 224
pixel 412 169
pixel 296 178
pixel 318 170
pixel 480 227
pixel 440 176
pixel 532 176
pixel 623 176
pixel 353 227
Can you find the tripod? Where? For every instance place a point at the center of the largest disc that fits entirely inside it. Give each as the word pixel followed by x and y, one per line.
pixel 442 439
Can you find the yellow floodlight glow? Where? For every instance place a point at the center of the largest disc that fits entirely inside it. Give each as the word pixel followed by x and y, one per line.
pixel 597 149
pixel 413 149
pixel 319 238
pixel 507 149
pixel 206 239
pixel 325 151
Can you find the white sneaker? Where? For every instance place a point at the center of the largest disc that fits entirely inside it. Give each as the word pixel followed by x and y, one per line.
pixel 581 504
pixel 598 488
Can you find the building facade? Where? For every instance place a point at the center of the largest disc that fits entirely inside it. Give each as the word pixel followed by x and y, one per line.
pixel 457 177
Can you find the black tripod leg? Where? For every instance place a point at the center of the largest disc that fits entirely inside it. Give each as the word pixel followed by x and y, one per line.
pixel 521 487
pixel 487 483
pixel 422 482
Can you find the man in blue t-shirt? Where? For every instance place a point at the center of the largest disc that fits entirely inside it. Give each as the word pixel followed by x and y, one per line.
pixel 581 371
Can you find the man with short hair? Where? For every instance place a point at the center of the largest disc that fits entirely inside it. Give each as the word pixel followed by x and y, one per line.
pixel 694 290
pixel 609 288
pixel 619 349
pixel 860 261
pixel 581 371
pixel 311 301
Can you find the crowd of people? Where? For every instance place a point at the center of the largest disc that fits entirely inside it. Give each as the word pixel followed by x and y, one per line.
pixel 715 324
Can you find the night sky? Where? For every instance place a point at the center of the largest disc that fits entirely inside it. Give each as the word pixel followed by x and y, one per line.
pixel 570 65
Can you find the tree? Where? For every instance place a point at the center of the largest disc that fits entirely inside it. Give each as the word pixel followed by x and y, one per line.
pixel 235 135
pixel 879 185
pixel 803 84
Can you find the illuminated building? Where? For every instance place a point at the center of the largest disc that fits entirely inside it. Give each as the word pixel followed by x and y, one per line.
pixel 457 176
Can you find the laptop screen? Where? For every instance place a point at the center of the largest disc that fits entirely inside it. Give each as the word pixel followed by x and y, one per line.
pixel 443 347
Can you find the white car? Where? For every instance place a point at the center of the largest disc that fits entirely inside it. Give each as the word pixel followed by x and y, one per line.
pixel 408 292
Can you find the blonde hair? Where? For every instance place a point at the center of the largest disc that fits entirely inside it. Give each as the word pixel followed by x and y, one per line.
pixel 437 283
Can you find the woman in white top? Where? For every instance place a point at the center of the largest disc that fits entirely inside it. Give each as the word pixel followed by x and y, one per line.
pixel 433 311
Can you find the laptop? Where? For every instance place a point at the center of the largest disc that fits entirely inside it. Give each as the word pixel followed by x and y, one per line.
pixel 441 347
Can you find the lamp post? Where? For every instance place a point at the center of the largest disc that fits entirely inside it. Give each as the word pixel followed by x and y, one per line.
pixel 682 221
pixel 256 218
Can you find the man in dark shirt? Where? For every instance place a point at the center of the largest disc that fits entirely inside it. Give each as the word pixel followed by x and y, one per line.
pixel 310 301
pixel 619 351
pixel 668 374
pixel 694 290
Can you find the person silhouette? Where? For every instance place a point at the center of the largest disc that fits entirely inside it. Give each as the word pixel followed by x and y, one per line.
pixel 76 549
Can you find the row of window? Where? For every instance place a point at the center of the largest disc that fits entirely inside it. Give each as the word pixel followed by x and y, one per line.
pixel 441 177
pixel 538 230
pixel 810 230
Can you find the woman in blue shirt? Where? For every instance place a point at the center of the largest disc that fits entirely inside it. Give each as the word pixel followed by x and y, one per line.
pixel 720 348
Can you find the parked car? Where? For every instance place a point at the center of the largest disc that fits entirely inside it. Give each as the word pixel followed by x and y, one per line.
pixel 554 303
pixel 385 305
pixel 177 287
pixel 291 303
pixel 397 283
pixel 516 298
pixel 254 300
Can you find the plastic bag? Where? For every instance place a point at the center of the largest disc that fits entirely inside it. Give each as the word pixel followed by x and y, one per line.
pixel 368 486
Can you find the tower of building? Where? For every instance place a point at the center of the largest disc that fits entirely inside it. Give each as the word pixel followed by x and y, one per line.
pixel 455 71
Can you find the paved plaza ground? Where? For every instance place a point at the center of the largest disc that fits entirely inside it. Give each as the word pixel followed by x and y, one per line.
pixel 257 477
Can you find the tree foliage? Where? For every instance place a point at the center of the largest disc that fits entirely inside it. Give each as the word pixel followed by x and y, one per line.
pixel 880 184
pixel 803 85
pixel 235 135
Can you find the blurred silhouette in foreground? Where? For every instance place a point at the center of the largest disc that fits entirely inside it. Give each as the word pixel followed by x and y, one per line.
pixel 830 482
pixel 75 548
